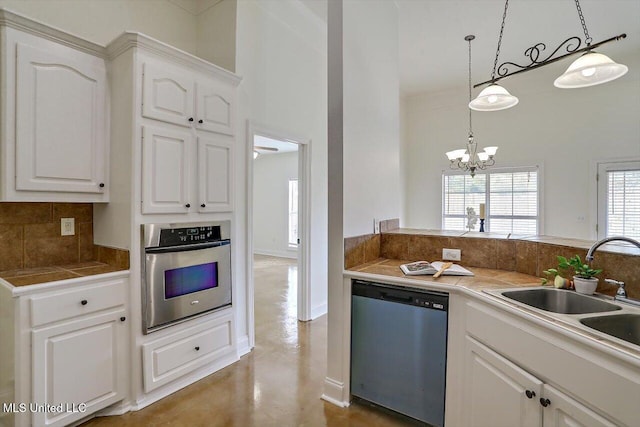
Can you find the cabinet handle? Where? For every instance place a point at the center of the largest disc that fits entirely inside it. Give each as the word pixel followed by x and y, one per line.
pixel 122 319
pixel 190 119
pixel 530 394
pixel 200 121
pixel 545 402
pixel 188 205
pixel 101 185
pixel 203 205
pixel 84 302
pixel 197 348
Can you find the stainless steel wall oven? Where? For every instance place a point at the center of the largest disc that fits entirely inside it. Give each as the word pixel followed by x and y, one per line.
pixel 186 271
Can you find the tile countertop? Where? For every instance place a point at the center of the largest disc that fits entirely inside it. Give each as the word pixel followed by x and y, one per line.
pixel 34 276
pixel 485 278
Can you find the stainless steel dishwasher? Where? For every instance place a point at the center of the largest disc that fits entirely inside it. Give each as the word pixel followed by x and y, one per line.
pixel 399 349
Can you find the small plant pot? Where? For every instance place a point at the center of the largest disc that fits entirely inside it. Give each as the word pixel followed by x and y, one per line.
pixel 585 286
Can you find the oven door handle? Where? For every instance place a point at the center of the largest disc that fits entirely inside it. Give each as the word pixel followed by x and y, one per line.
pixel 185 248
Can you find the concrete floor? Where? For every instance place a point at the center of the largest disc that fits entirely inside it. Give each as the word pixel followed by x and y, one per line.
pixel 278 384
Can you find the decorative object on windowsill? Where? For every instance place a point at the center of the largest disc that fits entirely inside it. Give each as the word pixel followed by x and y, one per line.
pixel 589 69
pixel 472 218
pixel 482 217
pixel 469 159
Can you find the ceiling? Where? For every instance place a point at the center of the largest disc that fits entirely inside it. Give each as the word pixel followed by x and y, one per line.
pixel 433 54
pixel 282 146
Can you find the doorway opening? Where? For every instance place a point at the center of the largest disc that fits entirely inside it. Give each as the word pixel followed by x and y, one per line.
pixel 278 217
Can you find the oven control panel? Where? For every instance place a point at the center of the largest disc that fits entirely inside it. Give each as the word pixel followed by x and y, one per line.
pixel 189 235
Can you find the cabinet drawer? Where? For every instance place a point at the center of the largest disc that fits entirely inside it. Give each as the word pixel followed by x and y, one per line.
pixel 74 302
pixel 177 354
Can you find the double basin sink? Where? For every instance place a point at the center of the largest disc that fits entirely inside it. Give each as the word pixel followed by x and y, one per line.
pixel 625 326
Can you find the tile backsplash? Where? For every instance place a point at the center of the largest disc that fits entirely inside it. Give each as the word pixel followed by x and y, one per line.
pixel 30 235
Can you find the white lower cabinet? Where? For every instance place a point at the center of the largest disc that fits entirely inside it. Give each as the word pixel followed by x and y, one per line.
pixel 172 356
pixel 501 394
pixel 77 367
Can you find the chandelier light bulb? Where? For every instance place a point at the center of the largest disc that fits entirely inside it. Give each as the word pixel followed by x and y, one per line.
pixel 492 99
pixel 588 72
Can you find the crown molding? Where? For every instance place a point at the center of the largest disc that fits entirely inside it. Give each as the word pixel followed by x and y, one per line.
pixel 22 23
pixel 130 40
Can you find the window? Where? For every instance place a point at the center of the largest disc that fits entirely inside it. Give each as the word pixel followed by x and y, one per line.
pixel 293 212
pixel 511 198
pixel 619 199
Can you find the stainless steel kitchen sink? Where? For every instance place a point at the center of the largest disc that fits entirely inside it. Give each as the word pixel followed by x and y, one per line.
pixel 623 326
pixel 560 301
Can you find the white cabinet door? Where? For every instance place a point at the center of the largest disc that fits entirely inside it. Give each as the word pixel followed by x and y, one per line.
pixel 214 174
pixel 563 411
pixel 215 107
pixel 166 157
pixel 167 94
pixel 499 393
pixel 78 362
pixel 60 122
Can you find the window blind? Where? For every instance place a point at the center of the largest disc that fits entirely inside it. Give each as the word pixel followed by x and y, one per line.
pixel 511 200
pixel 623 203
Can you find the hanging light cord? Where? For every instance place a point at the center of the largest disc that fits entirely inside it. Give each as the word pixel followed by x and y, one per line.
pixel 470 127
pixel 495 61
pixel 587 37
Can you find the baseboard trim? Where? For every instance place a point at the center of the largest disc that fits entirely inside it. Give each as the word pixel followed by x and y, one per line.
pixel 333 392
pixel 243 346
pixel 280 254
pixel 115 409
pixel 318 310
pixel 183 382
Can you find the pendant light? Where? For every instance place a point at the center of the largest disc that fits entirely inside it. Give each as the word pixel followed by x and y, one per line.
pixel 590 69
pixel 494 97
pixel 469 159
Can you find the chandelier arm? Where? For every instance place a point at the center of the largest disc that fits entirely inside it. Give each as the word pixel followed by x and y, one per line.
pixel 504 18
pixel 533 53
pixel 550 61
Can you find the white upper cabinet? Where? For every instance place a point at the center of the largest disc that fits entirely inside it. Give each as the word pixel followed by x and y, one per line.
pixel 167 95
pixel 215 107
pixel 214 172
pixel 55 135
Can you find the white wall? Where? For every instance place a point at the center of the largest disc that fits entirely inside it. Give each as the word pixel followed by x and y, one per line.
pixel 271 175
pixel 371 114
pixel 281 54
pixel 101 21
pixel 216 34
pixel 563 130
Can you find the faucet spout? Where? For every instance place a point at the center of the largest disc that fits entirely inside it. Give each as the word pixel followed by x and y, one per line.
pixel 599 243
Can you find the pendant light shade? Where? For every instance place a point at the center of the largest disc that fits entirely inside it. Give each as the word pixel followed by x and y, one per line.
pixel 493 98
pixel 589 70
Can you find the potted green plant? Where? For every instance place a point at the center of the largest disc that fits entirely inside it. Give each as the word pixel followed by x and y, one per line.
pixel 583 278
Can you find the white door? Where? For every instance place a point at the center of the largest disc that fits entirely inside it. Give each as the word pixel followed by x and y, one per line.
pixel 499 393
pixel 214 174
pixel 214 111
pixel 166 152
pixel 563 411
pixel 60 123
pixel 167 94
pixel 78 362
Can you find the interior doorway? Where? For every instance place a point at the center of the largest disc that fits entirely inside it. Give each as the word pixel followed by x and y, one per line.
pixel 278 210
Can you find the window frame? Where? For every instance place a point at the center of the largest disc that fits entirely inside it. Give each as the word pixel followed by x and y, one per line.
pixel 514 169
pixel 602 188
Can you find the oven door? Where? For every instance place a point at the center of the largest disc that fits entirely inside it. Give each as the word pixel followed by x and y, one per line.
pixel 183 281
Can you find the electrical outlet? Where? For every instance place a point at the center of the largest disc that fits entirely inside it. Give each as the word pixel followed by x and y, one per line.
pixel 376 226
pixel 451 254
pixel 67 226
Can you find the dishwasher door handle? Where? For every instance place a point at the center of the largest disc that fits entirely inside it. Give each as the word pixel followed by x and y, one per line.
pixel 393 298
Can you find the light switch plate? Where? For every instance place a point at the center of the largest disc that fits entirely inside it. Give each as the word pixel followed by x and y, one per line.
pixel 451 254
pixel 67 226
